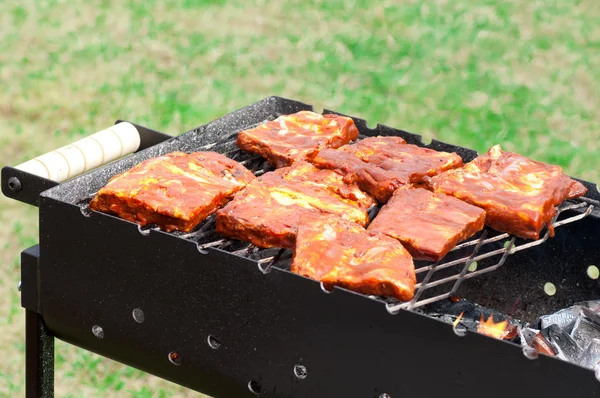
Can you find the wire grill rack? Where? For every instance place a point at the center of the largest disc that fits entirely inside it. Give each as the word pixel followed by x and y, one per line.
pixel 485 252
pixel 487 255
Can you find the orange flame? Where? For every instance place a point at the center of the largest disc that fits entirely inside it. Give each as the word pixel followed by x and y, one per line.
pixel 500 330
pixel 458 318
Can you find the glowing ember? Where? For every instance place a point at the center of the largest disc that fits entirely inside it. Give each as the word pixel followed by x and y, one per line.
pixel 541 345
pixel 500 330
pixel 458 318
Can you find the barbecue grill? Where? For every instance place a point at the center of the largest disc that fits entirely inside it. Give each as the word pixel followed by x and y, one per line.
pixel 230 320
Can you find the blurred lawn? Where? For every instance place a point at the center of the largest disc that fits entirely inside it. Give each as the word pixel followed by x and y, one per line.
pixel 475 73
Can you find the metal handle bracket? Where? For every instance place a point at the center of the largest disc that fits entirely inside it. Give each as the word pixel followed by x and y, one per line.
pixel 27 187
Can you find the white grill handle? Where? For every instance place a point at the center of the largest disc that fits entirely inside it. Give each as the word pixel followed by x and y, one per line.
pixel 86 154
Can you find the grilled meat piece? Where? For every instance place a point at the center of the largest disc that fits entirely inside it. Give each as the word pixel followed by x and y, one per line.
pixel 428 224
pixel 306 173
pixel 518 194
pixel 380 165
pixel 175 191
pixel 267 212
pixel 342 253
pixel 299 136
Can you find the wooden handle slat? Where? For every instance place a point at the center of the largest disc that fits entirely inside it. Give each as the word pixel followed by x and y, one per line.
pixel 86 154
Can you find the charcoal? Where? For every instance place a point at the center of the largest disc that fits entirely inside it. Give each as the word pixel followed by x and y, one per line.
pixel 593 305
pixel 591 315
pixel 532 340
pixel 564 345
pixel 584 331
pixel 571 334
pixel 472 314
pixel 527 335
pixel 565 319
pixel 590 357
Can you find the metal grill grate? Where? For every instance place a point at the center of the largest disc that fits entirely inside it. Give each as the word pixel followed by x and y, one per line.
pixel 436 281
pixel 485 251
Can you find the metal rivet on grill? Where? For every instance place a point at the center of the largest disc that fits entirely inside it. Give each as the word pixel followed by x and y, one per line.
pixel 530 353
pixel 550 289
pixel 138 315
pixel 593 272
pixel 213 342
pixel 300 371
pixel 174 358
pixel 14 184
pixel 254 387
pixel 98 331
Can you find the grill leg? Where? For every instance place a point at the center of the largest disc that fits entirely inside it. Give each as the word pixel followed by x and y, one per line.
pixel 39 357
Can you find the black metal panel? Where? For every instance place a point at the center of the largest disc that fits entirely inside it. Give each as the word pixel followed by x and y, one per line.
pixel 466 154
pixel 266 324
pixel 410 138
pixel 23 186
pixel 29 279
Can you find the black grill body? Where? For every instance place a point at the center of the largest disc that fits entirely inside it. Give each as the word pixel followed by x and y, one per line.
pixel 95 269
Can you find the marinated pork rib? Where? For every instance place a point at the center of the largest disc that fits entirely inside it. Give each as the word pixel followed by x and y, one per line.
pixel 428 224
pixel 380 165
pixel 299 136
pixel 338 252
pixel 175 191
pixel 267 212
pixel 518 194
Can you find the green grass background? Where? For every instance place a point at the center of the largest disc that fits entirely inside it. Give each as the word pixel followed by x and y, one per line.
pixel 475 73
